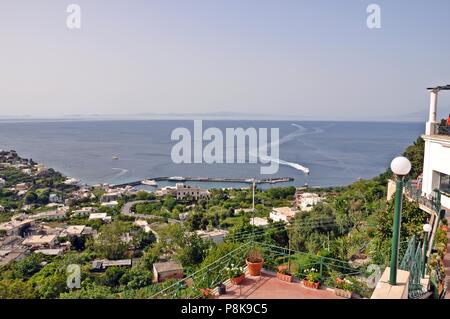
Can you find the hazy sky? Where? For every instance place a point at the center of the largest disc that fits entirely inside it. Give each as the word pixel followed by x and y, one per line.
pixel 294 58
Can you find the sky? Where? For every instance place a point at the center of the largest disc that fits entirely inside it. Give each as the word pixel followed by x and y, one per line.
pixel 296 59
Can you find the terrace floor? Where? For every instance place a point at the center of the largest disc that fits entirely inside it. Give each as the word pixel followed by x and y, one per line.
pixel 269 287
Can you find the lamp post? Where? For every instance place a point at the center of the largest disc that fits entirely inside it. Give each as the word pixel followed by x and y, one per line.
pixel 426 230
pixel 400 166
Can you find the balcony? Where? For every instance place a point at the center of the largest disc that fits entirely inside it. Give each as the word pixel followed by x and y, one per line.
pixel 439 132
pixel 267 286
pixel 431 205
pixel 204 282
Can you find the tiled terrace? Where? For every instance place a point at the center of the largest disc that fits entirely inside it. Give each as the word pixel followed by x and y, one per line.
pixel 269 287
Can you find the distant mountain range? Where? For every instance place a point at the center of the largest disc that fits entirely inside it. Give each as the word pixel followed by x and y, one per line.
pixel 418 116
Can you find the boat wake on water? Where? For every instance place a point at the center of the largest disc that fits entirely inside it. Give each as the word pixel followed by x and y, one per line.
pixel 294 135
pixel 121 172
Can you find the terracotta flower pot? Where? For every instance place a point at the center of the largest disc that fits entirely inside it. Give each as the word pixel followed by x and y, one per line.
pixel 310 284
pixel 254 269
pixel 237 280
pixel 284 277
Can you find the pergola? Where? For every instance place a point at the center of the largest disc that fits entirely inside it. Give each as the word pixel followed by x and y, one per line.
pixel 430 128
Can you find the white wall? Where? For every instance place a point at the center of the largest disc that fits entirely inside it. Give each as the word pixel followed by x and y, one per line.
pixel 437 160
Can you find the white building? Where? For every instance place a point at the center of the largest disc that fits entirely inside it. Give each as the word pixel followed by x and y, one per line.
pixel 41 241
pixel 110 204
pixel 306 201
pixel 216 235
pixel 436 167
pixel 110 196
pixel 181 191
pixel 54 198
pixel 84 211
pixel 100 216
pixel 259 221
pixel 282 214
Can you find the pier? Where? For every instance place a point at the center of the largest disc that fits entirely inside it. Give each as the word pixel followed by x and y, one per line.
pixel 210 180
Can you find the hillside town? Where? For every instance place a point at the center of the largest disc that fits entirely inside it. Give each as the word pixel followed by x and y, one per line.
pixel 183 241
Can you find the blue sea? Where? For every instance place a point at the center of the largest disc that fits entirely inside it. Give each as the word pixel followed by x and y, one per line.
pixel 336 153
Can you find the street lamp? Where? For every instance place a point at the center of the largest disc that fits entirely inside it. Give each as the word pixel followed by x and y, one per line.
pixel 400 166
pixel 426 230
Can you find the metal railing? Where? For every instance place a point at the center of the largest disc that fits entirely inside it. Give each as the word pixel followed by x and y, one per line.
pixel 413 261
pixel 441 129
pixel 433 203
pixel 207 278
pixel 194 285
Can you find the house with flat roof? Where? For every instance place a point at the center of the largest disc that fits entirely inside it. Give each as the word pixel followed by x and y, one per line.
pixel 306 201
pixel 180 191
pixel 100 216
pixel 83 212
pixel 167 270
pixel 77 231
pixel 259 221
pixel 110 204
pixel 57 214
pixel 282 214
pixel 102 264
pixel 41 241
pixel 216 235
pixel 50 251
pixel 111 196
pixel 15 227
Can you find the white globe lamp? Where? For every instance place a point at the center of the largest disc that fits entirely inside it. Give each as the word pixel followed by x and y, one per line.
pixel 401 166
pixel 427 228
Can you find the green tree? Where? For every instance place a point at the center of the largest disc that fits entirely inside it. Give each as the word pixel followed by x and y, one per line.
pixel 136 278
pixel 415 153
pixel 142 239
pixel 89 291
pixel 109 243
pixel 112 276
pixel 25 268
pixel 50 281
pixel 16 289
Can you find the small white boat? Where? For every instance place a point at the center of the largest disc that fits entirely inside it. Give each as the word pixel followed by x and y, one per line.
pixel 115 157
pixel 149 182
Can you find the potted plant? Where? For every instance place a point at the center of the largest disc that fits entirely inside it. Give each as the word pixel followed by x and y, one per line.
pixel 254 262
pixel 284 274
pixel 312 278
pixel 206 293
pixel 235 273
pixel 343 287
pixel 221 289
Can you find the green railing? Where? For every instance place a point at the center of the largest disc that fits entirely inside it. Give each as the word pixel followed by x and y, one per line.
pixel 191 286
pixel 413 261
pixel 207 278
